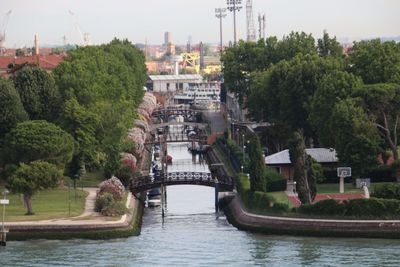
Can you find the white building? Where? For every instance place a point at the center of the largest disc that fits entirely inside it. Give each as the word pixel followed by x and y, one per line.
pixel 172 83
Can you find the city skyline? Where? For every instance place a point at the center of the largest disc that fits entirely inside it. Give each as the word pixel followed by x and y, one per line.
pixel 140 21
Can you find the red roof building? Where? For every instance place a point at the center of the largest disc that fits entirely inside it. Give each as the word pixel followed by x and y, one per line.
pixel 48 62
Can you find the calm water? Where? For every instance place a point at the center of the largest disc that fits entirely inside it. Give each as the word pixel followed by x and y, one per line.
pixel 192 234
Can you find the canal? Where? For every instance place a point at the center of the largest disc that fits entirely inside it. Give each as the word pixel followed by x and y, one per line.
pixel 192 234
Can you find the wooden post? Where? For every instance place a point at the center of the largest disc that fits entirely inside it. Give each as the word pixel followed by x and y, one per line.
pixel 162 201
pixel 216 194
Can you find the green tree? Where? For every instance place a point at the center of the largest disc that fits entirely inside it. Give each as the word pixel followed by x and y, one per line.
pixel 332 87
pixel 11 109
pixel 38 92
pixel 283 94
pixel 376 61
pixel 256 165
pixel 38 140
pixel 382 104
pixel 33 177
pixel 304 174
pixel 356 139
pixel 101 86
pixel 329 46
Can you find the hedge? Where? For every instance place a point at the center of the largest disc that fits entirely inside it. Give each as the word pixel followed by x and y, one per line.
pixel 372 208
pixel 388 191
pixel 275 181
pixel 257 201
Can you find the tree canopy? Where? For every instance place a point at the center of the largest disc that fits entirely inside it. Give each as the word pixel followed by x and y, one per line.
pixel 38 140
pixel 11 109
pixel 38 92
pixel 101 86
pixel 375 61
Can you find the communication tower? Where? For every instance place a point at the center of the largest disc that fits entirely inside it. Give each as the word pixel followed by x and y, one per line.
pixel 3 33
pixel 251 31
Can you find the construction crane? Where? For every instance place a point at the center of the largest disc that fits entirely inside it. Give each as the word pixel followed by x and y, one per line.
pixel 85 37
pixel 3 33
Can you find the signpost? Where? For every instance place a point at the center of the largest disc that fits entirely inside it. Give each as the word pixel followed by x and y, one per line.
pixel 343 172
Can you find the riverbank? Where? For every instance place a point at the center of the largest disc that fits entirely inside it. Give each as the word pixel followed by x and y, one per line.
pixel 87 225
pixel 274 225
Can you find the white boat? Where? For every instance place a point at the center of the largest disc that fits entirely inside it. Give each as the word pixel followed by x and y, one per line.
pixel 200 95
pixel 151 203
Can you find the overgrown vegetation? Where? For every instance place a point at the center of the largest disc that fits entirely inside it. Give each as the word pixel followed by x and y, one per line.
pixel 109 200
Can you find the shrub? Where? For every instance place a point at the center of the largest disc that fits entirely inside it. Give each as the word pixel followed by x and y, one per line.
pixel 318 172
pixel 275 181
pixel 114 187
pixel 114 209
pixel 372 208
pixel 328 207
pixel 389 191
pixel 103 200
pixel 125 175
pixel 368 208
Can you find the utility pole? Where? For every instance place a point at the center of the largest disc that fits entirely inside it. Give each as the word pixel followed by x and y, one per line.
pixel 220 13
pixel 233 6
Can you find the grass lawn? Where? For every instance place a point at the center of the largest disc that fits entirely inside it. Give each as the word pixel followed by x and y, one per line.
pixel 46 204
pixel 334 189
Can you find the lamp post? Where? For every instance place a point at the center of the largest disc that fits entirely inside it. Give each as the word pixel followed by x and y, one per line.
pixel 220 13
pixel 234 5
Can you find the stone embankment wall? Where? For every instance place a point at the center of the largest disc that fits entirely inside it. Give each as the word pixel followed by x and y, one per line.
pixel 243 220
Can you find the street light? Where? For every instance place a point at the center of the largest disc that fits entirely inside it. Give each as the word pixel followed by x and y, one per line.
pixel 220 13
pixel 234 5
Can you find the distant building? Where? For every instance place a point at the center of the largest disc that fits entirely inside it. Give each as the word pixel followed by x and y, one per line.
pixel 281 161
pixel 172 83
pixel 48 62
pixel 167 39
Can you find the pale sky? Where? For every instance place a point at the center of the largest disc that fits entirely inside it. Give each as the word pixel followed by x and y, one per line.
pixel 138 20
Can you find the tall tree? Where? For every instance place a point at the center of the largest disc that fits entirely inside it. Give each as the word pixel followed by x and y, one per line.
pixel 38 140
pixel 356 138
pixel 304 174
pixel 39 93
pixel 33 177
pixel 329 46
pixel 332 87
pixel 101 86
pixel 256 165
pixel 376 61
pixel 382 104
pixel 11 109
pixel 283 93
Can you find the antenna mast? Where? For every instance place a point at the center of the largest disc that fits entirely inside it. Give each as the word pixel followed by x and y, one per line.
pixel 251 31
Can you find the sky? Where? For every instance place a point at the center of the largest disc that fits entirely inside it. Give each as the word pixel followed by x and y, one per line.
pixel 147 20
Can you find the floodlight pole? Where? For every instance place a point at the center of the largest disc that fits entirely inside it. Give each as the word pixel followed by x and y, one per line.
pixel 220 13
pixel 234 5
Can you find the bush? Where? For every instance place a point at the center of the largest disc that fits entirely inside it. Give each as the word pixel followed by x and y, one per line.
pixel 372 208
pixel 318 172
pixel 382 174
pixel 275 181
pixel 388 191
pixel 114 209
pixel 328 207
pixel 103 200
pixel 125 175
pixel 366 208
pixel 114 187
pixel 258 201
